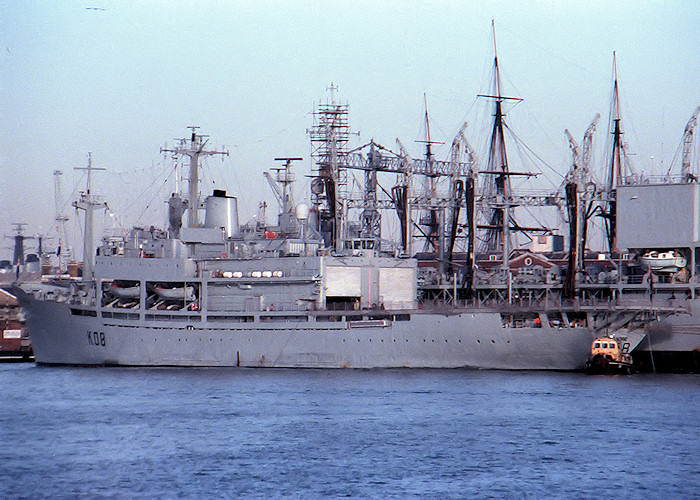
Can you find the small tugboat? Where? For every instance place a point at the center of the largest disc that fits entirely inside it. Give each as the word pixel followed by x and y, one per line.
pixel 609 356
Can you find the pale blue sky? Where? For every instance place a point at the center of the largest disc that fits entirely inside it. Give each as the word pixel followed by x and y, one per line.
pixel 120 82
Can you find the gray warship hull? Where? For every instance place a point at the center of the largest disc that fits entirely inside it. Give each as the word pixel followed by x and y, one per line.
pixel 62 334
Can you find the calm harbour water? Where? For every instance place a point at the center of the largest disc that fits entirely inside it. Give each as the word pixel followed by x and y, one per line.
pixel 115 432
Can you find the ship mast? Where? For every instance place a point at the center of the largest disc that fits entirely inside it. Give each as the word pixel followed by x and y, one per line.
pixel 430 218
pixel 61 220
pixel 402 201
pixel 89 203
pixel 194 148
pixel 498 183
pixel 371 219
pixel 18 256
pixel 329 138
pixel 615 171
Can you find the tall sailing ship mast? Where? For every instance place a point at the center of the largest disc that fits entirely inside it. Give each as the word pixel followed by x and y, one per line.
pixel 430 218
pixel 496 191
pixel 618 167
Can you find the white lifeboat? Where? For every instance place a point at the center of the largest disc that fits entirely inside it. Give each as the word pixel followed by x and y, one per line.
pixel 665 262
pixel 185 293
pixel 125 292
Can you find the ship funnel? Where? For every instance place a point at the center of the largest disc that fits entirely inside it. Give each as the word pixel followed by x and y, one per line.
pixel 222 212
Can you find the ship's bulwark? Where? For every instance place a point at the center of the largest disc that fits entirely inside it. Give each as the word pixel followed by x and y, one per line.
pixel 427 340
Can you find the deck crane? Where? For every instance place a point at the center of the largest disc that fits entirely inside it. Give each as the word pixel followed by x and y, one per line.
pixel 276 190
pixel 282 188
pixel 688 146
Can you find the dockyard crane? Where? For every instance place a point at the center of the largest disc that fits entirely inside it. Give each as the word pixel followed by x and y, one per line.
pixel 457 142
pixel 581 155
pixel 580 207
pixel 458 189
pixel 402 201
pixel 587 146
pixel 575 150
pixel 688 146
pixel 403 152
pixel 587 209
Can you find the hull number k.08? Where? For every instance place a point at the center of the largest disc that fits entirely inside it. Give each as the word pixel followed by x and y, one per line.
pixel 96 338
